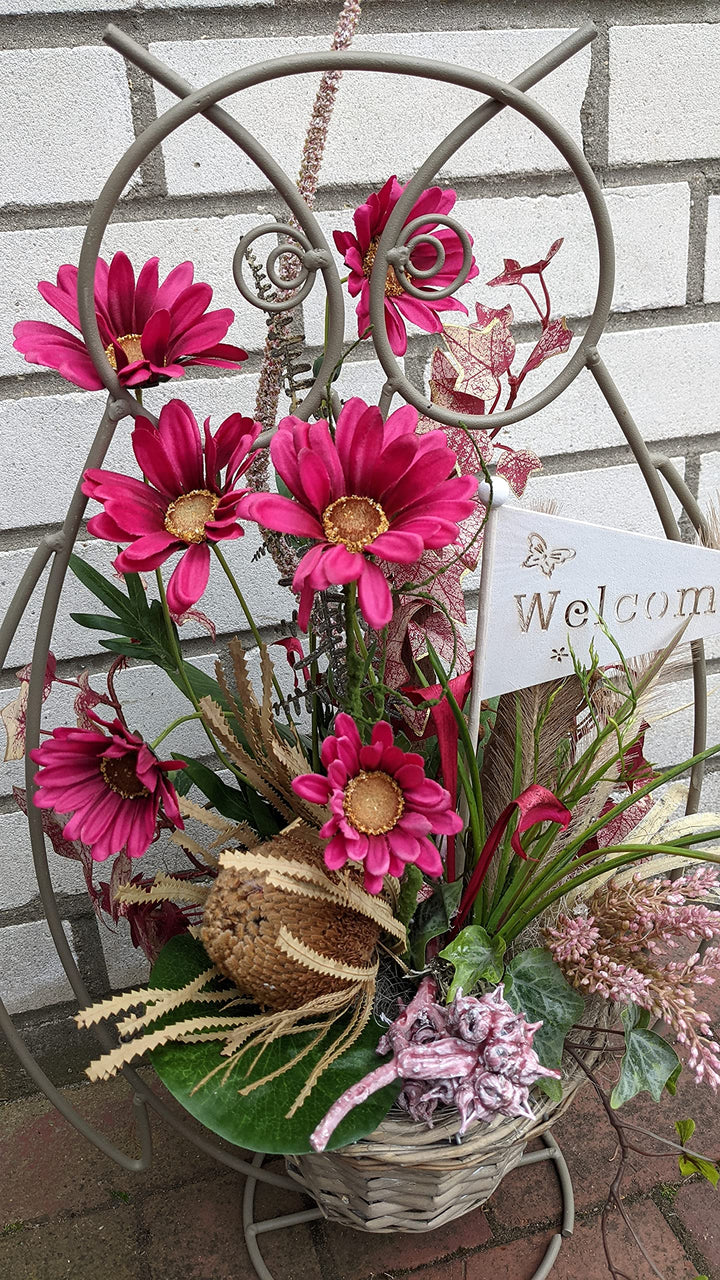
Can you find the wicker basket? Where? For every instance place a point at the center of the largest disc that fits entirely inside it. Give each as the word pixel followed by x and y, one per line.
pixel 407 1177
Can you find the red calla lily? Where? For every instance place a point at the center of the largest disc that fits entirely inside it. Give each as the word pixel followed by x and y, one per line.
pixel 536 804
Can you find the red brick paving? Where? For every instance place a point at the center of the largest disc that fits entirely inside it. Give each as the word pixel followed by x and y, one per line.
pixel 698 1208
pixel 72 1215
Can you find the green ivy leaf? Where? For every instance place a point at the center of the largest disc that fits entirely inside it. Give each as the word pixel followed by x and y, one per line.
pixel 410 886
pixel 474 955
pixel 671 1082
pixel 695 1164
pixel 257 1120
pixel 536 986
pixel 433 917
pixel 551 1087
pixel 648 1064
pixel 685 1130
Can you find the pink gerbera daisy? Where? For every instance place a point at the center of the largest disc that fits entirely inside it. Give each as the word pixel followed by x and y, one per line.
pixel 382 806
pixel 186 503
pixel 359 255
pixel 378 491
pixel 150 330
pixel 111 782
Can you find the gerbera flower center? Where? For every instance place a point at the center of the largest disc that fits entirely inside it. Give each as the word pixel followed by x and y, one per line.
pixel 354 521
pixel 373 803
pixel 130 344
pixel 187 516
pixel 119 774
pixel 393 287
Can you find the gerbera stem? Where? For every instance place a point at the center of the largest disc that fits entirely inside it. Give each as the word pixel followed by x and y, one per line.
pixel 194 715
pixel 314 729
pixel 353 660
pixel 252 625
pixel 180 668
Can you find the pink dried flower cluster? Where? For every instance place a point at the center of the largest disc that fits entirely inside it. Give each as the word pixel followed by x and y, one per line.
pixel 474 1054
pixel 615 951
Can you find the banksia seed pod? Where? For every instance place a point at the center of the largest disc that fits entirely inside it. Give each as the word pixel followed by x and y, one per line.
pixel 245 913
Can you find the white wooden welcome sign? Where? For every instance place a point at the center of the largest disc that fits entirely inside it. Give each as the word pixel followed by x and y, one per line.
pixel 548 584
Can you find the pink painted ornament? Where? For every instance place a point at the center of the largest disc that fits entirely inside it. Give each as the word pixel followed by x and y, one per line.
pixel 474 1054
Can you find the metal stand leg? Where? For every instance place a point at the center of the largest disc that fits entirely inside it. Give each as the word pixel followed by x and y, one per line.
pixel 254 1229
pixel 553 1152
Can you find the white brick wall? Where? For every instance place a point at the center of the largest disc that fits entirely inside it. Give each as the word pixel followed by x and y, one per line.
pixel 373 112
pixel 66 110
pixel 651 230
pixel 32 973
pixel 681 120
pixel 66 122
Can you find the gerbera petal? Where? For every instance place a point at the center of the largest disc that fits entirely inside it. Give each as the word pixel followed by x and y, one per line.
pixel 341 566
pixel 189 578
pixel 374 597
pixel 400 547
pixel 154 338
pixel 276 512
pixel 55 348
pixel 180 438
pixel 121 294
pixel 419 314
pixel 145 294
pixel 179 279
pixel 149 552
pixel 396 332
pixel 314 479
pixel 335 854
pixel 312 787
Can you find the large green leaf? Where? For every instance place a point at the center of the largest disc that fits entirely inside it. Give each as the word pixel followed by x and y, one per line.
pixel 433 917
pixel 648 1064
pixel 257 1121
pixel 535 986
pixel 474 955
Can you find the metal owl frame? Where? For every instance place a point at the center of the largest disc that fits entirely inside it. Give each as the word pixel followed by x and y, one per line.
pixel 307 244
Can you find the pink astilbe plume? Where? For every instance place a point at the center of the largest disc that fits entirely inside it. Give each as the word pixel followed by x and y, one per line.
pixel 191 499
pixel 615 951
pixel 150 331
pixel 271 371
pixel 378 491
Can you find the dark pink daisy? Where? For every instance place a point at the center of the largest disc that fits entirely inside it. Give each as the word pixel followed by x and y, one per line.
pixel 382 806
pixel 151 331
pixel 359 255
pixel 187 502
pixel 378 491
pixel 112 784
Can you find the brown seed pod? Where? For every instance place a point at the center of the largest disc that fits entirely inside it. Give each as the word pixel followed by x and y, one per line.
pixel 247 909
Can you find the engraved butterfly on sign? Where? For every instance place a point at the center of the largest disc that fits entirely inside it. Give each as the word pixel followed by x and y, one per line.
pixel 541 556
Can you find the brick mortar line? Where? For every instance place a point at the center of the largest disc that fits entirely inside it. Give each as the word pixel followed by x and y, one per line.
pixel 142 206
pixel 26 538
pixel 697 237
pixel 678 1228
pixel 379 16
pixel 19 386
pixel 193 647
pixel 142 106
pixel 595 111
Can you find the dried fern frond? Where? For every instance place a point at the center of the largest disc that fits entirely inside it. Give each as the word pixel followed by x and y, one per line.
pixel 547 714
